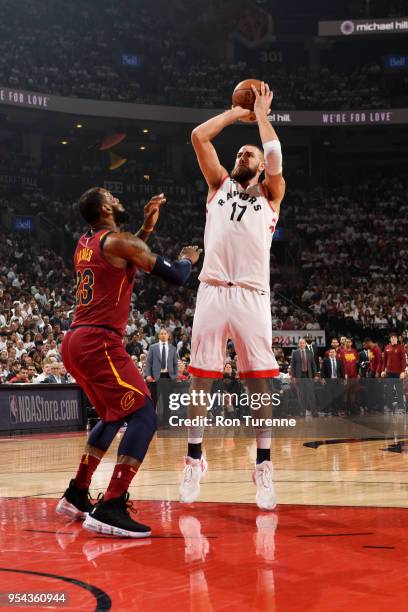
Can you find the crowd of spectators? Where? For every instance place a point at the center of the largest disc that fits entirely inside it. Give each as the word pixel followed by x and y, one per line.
pixel 351 275
pixel 81 55
pixel 354 256
pixel 206 84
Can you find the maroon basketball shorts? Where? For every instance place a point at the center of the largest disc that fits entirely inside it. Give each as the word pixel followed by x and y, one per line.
pixel 97 360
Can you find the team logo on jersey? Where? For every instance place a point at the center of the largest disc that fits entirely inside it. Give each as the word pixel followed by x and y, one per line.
pixel 13 409
pixel 127 401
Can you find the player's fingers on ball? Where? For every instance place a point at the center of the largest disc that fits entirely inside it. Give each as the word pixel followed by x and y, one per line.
pixel 254 89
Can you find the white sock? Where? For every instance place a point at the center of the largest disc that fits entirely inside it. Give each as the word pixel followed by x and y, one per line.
pixel 195 435
pixel 263 438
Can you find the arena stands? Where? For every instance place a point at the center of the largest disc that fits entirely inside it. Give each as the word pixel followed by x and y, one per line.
pixel 117 63
pixel 351 263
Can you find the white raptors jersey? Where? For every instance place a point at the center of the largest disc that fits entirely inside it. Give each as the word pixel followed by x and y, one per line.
pixel 238 235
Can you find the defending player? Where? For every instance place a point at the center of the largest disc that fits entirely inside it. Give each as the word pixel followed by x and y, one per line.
pixel 233 299
pixel 106 261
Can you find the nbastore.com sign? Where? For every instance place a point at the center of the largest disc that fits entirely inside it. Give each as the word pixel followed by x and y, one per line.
pixel 35 409
pixel 364 27
pixel 27 408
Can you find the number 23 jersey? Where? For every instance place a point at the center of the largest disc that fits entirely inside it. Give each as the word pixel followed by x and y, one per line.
pixel 238 235
pixel 103 292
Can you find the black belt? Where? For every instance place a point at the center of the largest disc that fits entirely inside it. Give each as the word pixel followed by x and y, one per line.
pixel 115 331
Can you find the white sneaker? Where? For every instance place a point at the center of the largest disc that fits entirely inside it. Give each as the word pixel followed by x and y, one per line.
pixel 190 485
pixel 265 491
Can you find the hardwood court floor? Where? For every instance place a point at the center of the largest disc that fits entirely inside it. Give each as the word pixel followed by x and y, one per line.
pixel 337 539
pixel 361 472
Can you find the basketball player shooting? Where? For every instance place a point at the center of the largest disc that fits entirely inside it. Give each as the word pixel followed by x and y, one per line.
pixel 233 299
pixel 106 261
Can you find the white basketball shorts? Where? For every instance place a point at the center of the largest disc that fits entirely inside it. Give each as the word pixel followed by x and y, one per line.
pixel 240 314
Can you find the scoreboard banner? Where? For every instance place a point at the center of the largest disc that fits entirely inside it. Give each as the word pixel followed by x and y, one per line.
pixel 41 407
pixel 364 27
pixel 175 114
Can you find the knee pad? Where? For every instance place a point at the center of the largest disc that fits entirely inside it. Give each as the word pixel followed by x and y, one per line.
pixel 141 426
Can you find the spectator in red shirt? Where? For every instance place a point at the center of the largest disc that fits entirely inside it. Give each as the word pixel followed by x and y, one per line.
pixel 182 372
pixel 375 367
pixel 350 358
pixel 343 341
pixel 394 365
pixel 20 377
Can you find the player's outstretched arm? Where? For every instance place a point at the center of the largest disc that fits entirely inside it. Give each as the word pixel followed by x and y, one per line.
pixel 126 246
pixel 201 138
pixel 151 215
pixel 274 180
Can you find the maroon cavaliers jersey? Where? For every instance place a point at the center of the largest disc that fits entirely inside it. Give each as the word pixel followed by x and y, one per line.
pixel 103 292
pixel 394 359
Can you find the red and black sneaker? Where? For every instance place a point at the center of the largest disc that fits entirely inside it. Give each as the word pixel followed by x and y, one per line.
pixel 75 503
pixel 112 518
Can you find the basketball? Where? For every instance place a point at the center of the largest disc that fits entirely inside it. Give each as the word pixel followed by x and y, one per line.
pixel 243 95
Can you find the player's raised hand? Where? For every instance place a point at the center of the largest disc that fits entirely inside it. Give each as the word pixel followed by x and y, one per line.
pixel 243 114
pixel 152 211
pixel 263 99
pixel 190 252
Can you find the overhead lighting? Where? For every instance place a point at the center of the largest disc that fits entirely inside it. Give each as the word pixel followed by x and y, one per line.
pixel 142 148
pixel 79 125
pixel 146 177
pixel 64 142
pixel 145 131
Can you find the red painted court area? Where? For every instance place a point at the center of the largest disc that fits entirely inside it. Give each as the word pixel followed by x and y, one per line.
pixel 212 556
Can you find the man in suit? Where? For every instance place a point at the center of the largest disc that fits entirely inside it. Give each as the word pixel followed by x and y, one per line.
pixel 161 363
pixel 332 374
pixel 363 367
pixel 55 375
pixel 302 371
pixel 312 347
pixel 364 360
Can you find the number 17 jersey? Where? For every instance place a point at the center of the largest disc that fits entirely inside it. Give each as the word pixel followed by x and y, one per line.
pixel 103 292
pixel 238 235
